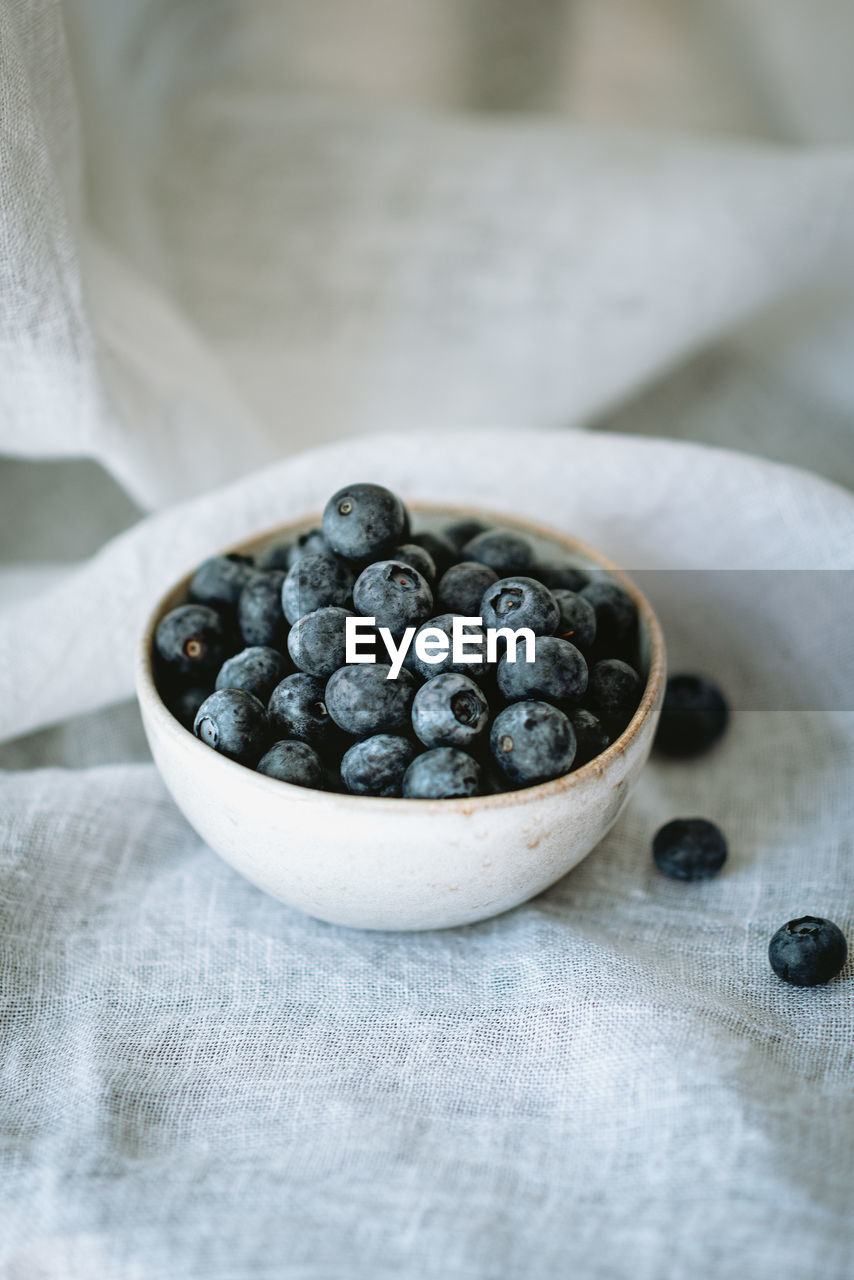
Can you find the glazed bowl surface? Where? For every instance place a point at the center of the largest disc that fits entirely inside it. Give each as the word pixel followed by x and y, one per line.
pixel 375 863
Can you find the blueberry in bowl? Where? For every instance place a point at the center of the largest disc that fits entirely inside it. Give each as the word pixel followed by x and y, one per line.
pixel 334 724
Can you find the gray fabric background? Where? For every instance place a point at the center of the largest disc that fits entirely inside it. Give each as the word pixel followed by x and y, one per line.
pixel 238 242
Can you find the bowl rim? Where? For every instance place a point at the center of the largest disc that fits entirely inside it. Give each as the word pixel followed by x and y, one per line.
pixel 150 700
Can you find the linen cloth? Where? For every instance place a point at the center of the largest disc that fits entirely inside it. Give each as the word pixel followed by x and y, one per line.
pixel 230 232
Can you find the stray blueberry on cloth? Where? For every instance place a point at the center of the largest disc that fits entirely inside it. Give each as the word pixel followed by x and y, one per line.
pixel 689 849
pixel 257 669
pixel 557 674
pixel 449 711
pixel 295 762
pixel 395 594
pixel 259 610
pixel 808 951
pixel 532 742
pixel 520 602
pixel 693 718
pixel 234 723
pixel 315 582
pixel 317 643
pixel 363 701
pixel 445 773
pixel 297 709
pixel 506 552
pixel 364 521
pixel 375 766
pixel 191 640
pixel 219 581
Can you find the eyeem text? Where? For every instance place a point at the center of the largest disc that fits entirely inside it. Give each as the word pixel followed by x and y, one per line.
pixel 432 644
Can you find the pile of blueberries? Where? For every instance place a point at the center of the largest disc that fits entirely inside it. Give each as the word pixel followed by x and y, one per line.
pixel 255 665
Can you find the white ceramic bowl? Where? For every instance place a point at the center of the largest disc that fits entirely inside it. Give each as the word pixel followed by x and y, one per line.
pixel 377 863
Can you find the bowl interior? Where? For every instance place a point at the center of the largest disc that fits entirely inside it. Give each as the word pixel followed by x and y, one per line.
pixel 549 544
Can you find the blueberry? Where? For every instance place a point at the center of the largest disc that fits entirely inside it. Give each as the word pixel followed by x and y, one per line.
pixel 363 701
pixel 532 742
pixel 694 716
pixel 219 581
pixel 375 767
pixel 557 674
pixel 590 734
pixel 616 616
pixel 614 692
pixel 312 542
pixel 445 773
pixel 393 593
pixel 317 643
pixel 462 586
pixel 294 762
pixel 297 709
pixel 440 549
pixel 449 711
pixel 276 557
pixel 808 951
pixel 364 521
pixel 462 531
pixel 689 849
pixel 561 577
pixel 259 610
pixel 506 552
pixel 520 602
pixel 315 582
pixel 444 623
pixel 577 619
pixel 257 669
pixel 191 640
pixel 410 553
pixel 234 723
pixel 184 703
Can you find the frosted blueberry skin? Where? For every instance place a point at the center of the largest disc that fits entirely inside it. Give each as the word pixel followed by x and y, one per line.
pixel 297 709
pixel 219 581
pixel 313 542
pixel 808 952
pixel 375 766
pixel 591 736
pixel 317 643
pixel 191 641
pixel 295 762
pixel 364 521
pixel 461 588
pixel 520 602
pixel 257 669
pixel 558 673
pixel 395 594
pixel 445 773
pixel 363 701
pixel 695 715
pixel 315 582
pixel 410 553
pixel 689 849
pixel 614 692
pixel 260 618
pixel 532 742
pixel 449 711
pixel 427 670
pixel 506 552
pixel 234 723
pixel 577 619
pixel 616 617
